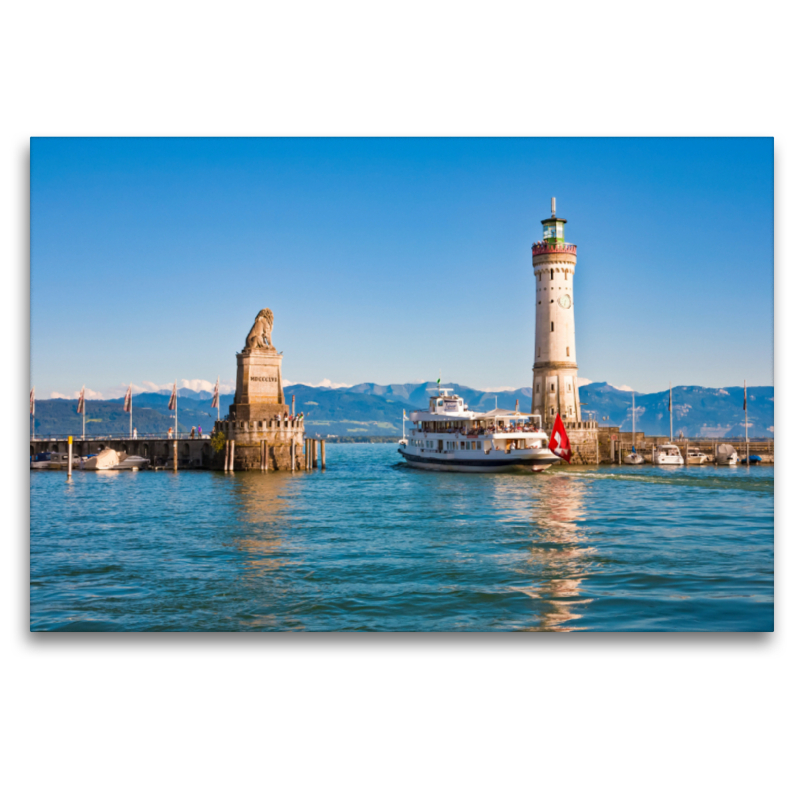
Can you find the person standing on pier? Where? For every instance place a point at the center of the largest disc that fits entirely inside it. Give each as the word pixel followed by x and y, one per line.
pixel 135 434
pixel 169 432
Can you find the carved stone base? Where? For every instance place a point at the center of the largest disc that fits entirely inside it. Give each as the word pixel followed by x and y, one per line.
pixel 246 412
pixel 258 378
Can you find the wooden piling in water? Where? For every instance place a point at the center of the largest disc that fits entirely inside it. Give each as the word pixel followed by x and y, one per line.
pixel 292 449
pixel 322 453
pixel 233 450
pixel 314 461
pixel 69 458
pixel 175 453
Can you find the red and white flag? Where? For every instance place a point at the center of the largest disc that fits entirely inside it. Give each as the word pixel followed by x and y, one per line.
pixel 33 400
pixel 128 399
pixel 173 398
pixel 559 441
pixel 215 399
pixel 81 401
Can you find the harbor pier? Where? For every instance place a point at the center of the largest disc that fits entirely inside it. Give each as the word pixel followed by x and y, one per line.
pixel 194 453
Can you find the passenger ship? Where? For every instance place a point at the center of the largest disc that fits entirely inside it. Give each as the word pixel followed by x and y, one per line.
pixel 449 437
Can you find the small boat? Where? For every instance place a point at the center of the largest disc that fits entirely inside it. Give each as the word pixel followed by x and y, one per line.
pixel 754 459
pixel 105 459
pixel 41 460
pixel 727 455
pixel 668 455
pixel 633 457
pixel 447 436
pixel 696 456
pixel 132 462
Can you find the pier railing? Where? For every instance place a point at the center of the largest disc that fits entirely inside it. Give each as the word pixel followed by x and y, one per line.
pixel 62 437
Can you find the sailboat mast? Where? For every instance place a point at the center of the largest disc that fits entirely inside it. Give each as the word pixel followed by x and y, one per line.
pixel 670 411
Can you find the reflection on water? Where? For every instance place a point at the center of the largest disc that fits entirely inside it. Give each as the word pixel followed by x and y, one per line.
pixel 559 559
pixel 262 513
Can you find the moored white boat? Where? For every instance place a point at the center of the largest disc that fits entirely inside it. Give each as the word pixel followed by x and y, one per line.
pixel 668 454
pixel 132 462
pixel 449 437
pixel 727 456
pixel 105 459
pixel 696 456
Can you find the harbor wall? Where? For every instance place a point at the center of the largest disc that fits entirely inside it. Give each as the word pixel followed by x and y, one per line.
pixel 248 435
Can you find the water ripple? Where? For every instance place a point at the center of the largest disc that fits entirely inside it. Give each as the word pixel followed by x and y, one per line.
pixel 368 545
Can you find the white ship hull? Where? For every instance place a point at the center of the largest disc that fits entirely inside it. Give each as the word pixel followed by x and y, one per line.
pixel 493 461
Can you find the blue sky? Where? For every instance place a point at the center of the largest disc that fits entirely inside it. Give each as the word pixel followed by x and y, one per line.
pixel 386 260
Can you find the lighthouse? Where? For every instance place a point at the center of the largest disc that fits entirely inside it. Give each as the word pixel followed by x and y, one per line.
pixel 555 370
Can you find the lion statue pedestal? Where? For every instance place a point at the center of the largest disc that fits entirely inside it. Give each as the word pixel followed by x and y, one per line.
pixel 259 398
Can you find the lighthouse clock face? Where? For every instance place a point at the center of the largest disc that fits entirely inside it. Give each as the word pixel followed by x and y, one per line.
pixel 565 301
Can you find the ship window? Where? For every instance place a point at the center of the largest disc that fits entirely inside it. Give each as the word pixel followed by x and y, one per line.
pixel 552 327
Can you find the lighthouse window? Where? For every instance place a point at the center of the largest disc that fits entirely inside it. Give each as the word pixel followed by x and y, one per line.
pixel 551 274
pixel 540 277
pixel 568 351
pixel 552 387
pixel 552 327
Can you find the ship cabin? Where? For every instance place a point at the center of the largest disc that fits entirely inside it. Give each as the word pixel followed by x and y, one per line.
pixel 448 416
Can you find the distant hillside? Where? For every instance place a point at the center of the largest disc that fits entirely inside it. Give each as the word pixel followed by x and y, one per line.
pixel 374 410
pixel 150 414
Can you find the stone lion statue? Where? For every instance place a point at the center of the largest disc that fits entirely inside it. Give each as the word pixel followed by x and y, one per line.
pixel 260 336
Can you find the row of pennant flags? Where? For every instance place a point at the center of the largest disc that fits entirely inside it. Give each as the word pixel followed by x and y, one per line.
pixel 128 402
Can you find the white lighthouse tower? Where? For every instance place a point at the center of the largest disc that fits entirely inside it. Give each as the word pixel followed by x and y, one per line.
pixel 555 370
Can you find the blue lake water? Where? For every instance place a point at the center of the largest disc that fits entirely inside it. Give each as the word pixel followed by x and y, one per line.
pixel 369 545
